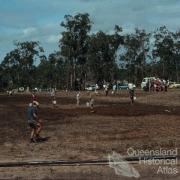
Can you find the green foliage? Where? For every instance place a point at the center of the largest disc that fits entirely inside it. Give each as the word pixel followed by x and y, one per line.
pixel 74 45
pixel 18 65
pixel 94 57
pixel 167 50
pixel 51 71
pixel 136 48
pixel 102 55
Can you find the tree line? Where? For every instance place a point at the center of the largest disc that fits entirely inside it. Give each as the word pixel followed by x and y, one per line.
pixel 93 57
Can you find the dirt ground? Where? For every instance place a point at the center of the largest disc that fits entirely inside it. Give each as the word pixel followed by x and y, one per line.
pixel 75 133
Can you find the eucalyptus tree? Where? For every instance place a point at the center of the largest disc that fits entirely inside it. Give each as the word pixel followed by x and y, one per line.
pixel 19 64
pixel 102 54
pixel 74 45
pixel 176 55
pixel 165 50
pixel 136 46
pixel 51 71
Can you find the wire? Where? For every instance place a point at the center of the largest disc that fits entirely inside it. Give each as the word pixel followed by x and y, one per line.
pixel 80 162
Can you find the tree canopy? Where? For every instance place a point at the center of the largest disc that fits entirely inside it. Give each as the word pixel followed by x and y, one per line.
pixel 97 57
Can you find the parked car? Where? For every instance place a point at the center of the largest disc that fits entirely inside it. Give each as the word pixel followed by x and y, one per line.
pixel 36 89
pixel 122 86
pixel 90 87
pixel 174 85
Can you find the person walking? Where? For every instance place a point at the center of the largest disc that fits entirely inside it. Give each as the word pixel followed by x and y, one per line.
pixel 34 123
pixel 78 99
pixel 131 88
pixel 91 103
pixel 106 89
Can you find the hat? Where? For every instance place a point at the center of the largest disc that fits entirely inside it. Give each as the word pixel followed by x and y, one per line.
pixel 35 103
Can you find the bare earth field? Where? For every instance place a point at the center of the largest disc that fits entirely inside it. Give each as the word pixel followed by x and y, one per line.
pixel 75 133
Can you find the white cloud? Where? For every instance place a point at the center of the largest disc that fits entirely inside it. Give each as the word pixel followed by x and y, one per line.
pixel 29 31
pixel 53 38
pixel 40 20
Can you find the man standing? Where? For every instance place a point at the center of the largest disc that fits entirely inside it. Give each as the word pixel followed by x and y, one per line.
pixel 34 123
pixel 91 103
pixel 96 88
pixel 78 98
pixel 106 88
pixel 131 88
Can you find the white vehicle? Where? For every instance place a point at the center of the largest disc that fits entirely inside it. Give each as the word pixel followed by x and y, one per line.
pixel 174 85
pixel 92 87
pixel 21 89
pixel 145 81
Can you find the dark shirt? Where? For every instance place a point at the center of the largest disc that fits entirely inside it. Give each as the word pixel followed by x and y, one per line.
pixel 131 92
pixel 30 113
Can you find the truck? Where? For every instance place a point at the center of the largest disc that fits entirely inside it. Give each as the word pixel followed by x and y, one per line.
pixel 145 82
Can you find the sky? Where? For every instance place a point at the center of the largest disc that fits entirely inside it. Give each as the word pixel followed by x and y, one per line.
pixel 39 20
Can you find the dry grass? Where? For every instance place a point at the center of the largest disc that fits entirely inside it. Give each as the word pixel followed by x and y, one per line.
pixel 75 133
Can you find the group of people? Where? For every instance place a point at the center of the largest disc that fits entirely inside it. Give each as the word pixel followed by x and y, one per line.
pixel 90 103
pixel 131 89
pixel 157 85
pixel 35 123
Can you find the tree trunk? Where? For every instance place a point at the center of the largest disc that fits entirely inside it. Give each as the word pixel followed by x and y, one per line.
pixel 71 81
pixel 177 72
pixel 163 68
pixel 74 75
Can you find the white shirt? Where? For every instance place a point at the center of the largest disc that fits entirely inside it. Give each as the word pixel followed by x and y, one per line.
pixel 131 86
